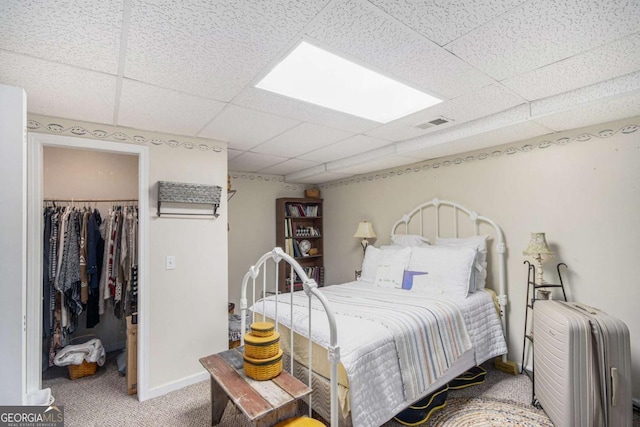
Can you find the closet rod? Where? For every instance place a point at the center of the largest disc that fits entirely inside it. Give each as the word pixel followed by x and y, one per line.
pixel 90 200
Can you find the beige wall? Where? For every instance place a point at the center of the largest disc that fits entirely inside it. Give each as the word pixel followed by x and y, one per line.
pixel 584 195
pixel 187 306
pixel 252 222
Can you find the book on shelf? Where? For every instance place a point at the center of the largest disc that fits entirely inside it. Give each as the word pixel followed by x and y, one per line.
pixel 288 230
pixel 298 210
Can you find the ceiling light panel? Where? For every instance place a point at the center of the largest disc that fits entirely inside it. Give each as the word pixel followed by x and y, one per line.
pixel 314 75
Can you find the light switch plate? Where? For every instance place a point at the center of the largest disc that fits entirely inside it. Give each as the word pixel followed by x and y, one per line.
pixel 171 262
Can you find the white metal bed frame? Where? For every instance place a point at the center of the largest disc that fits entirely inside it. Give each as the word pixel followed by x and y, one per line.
pixel 476 219
pixel 310 287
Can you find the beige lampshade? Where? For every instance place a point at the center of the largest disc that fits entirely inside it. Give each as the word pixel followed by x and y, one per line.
pixel 365 230
pixel 537 245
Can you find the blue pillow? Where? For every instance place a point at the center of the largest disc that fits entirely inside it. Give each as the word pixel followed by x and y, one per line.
pixel 407 278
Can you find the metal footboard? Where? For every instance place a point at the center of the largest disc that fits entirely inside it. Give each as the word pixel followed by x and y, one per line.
pixel 269 286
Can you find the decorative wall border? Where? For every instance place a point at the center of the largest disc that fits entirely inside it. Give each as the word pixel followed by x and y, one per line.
pixel 455 161
pixel 109 133
pixel 274 179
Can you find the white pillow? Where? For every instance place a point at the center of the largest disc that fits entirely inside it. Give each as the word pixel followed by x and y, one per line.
pixel 373 257
pixel 409 240
pixel 449 269
pixel 389 276
pixel 423 284
pixel 475 242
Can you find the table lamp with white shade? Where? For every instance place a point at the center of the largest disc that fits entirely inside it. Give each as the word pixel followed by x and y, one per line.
pixel 365 231
pixel 536 248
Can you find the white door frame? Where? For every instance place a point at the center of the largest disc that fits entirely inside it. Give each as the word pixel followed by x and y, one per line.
pixel 35 197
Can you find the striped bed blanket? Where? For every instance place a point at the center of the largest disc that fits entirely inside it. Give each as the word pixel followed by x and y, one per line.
pixel 428 333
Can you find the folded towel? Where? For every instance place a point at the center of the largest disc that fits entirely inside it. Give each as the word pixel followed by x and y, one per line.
pixel 91 351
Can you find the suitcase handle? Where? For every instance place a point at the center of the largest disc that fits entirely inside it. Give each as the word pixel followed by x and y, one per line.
pixel 614 386
pixel 587 309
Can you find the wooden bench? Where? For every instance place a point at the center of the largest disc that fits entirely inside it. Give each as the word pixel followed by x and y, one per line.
pixel 264 403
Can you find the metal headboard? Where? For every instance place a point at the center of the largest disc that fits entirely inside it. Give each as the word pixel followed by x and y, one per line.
pixel 310 288
pixel 476 219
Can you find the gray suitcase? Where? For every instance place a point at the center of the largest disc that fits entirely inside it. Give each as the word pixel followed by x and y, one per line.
pixel 582 365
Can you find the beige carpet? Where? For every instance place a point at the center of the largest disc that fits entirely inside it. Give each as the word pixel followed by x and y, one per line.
pixel 101 400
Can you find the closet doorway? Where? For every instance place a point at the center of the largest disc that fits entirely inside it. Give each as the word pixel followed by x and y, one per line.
pixel 56 146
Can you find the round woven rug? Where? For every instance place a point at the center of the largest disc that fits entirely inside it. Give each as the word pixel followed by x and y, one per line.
pixel 464 412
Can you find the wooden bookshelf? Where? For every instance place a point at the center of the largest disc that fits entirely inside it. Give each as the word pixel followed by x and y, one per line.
pixel 297 220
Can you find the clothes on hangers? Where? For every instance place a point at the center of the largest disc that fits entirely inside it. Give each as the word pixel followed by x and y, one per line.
pixel 86 262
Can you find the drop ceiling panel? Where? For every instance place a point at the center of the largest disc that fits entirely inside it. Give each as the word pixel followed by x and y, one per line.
pixel 443 22
pixel 321 178
pixel 253 162
pixel 60 90
pixel 349 147
pixel 302 111
pixel 232 154
pixel 595 93
pixel 81 33
pixel 378 164
pixel 244 128
pixel 369 36
pixel 539 33
pixel 211 48
pixel 606 62
pixel 517 132
pixel 474 127
pixel 164 110
pixel 586 115
pixel 289 166
pixel 301 139
pixel 563 63
pixel 484 101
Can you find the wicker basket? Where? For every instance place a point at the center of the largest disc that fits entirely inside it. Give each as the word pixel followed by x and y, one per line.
pixel 83 370
pixel 263 369
pixel 261 347
pixel 312 193
pixel 262 329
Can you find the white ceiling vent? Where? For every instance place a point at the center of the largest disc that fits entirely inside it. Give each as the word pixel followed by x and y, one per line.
pixel 435 122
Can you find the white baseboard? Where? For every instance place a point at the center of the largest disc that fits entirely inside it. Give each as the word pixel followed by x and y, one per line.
pixel 176 385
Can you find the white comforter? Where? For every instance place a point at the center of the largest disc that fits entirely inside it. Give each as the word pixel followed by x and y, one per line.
pixel 91 351
pixel 369 351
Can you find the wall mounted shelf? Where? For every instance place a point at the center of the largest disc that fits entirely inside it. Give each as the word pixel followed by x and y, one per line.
pixel 183 196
